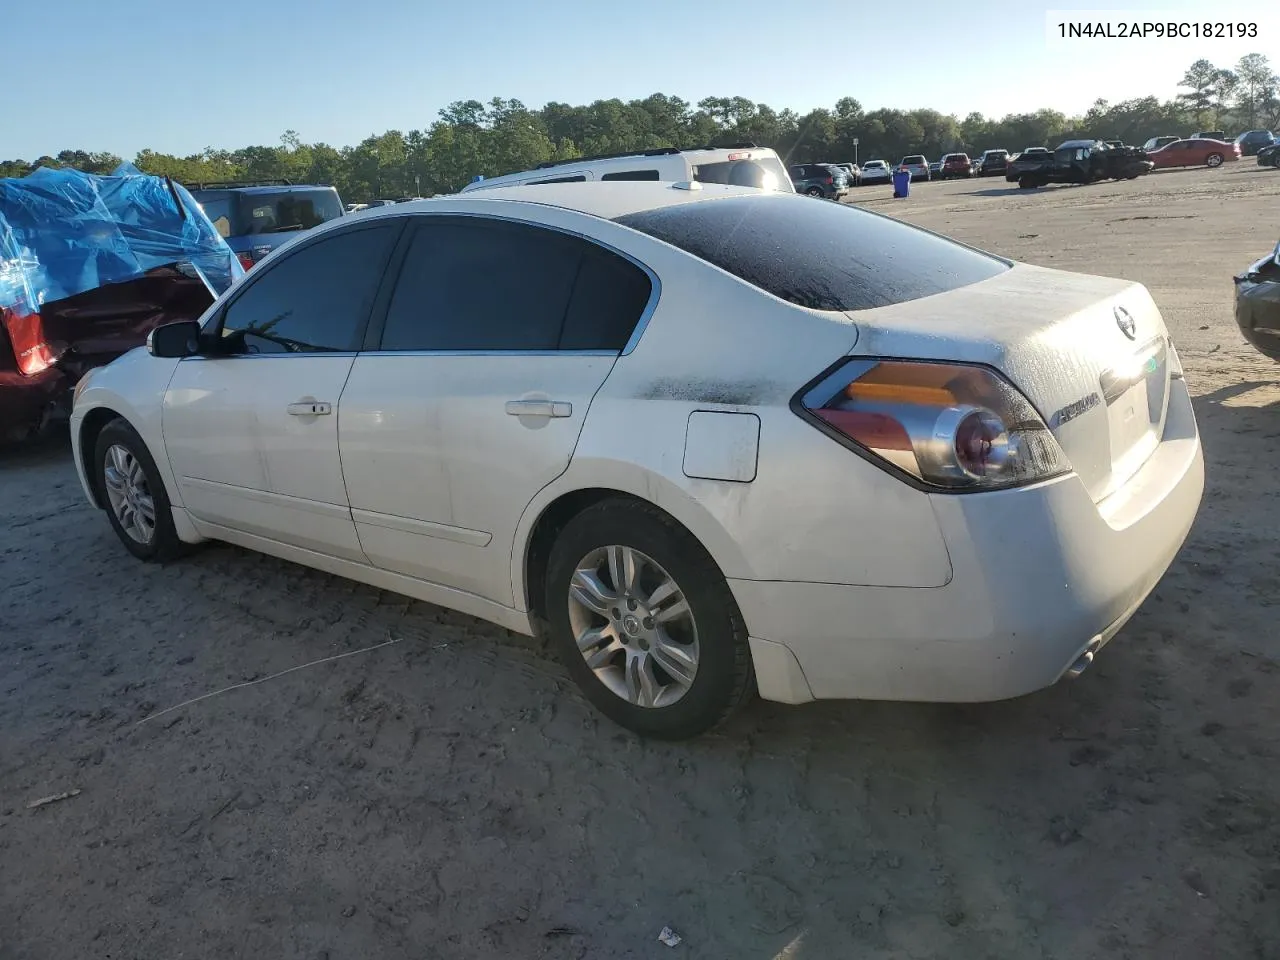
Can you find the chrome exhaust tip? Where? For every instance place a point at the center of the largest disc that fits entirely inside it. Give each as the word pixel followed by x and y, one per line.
pixel 1082 662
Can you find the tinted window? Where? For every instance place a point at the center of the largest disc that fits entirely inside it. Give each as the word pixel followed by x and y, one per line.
pixel 472 284
pixel 608 298
pixel 761 172
pixel 317 299
pixel 575 178
pixel 244 213
pixel 632 175
pixel 827 256
pixel 912 160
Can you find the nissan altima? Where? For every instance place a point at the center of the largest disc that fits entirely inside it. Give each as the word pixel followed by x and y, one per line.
pixel 709 440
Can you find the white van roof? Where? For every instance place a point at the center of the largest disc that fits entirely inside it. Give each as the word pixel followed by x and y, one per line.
pixel 665 164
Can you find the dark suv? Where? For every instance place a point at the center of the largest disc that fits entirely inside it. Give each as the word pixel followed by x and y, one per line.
pixel 255 218
pixel 820 180
pixel 1253 141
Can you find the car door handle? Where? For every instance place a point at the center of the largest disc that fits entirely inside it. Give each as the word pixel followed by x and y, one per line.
pixel 309 408
pixel 539 408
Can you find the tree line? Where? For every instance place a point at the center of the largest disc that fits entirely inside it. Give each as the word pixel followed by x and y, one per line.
pixel 472 138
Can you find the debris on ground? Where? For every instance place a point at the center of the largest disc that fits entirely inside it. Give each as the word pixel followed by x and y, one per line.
pixel 45 801
pixel 669 937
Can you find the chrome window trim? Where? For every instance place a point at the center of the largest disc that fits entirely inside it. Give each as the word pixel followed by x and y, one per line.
pixel 488 353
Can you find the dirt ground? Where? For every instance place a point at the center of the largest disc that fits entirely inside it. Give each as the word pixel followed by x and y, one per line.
pixel 450 795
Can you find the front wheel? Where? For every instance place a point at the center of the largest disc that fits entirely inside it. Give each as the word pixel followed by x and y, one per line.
pixel 133 494
pixel 1213 160
pixel 645 622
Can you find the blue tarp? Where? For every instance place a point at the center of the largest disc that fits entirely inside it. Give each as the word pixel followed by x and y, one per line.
pixel 63 232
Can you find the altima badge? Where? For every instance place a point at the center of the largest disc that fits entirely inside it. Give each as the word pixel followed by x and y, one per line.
pixel 1124 320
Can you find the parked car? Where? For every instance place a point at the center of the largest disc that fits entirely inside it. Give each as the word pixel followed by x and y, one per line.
pixel 1155 143
pixel 255 217
pixel 876 171
pixel 89 265
pixel 1088 161
pixel 1252 141
pixel 935 169
pixel 743 164
pixel 1194 153
pixel 1211 135
pixel 1269 156
pixel 1258 304
pixel 917 166
pixel 1030 160
pixel 471 441
pixel 852 171
pixel 824 180
pixel 956 165
pixel 993 162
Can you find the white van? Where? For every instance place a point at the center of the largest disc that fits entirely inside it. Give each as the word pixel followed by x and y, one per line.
pixel 740 164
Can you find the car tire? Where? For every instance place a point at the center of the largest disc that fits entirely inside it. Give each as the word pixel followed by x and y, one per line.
pixel 1213 160
pixel 814 192
pixel 129 486
pixel 622 631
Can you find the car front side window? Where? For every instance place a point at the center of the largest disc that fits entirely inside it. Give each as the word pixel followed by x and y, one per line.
pixel 315 300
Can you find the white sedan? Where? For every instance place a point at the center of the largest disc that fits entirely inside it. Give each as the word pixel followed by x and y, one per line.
pixel 712 440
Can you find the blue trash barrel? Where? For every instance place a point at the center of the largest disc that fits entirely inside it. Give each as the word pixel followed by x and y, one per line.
pixel 901 183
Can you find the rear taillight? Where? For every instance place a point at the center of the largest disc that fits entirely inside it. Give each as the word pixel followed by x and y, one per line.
pixel 246 260
pixel 829 180
pixel 949 427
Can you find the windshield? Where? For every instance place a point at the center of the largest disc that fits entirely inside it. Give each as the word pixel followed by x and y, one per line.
pixel 765 173
pixel 239 214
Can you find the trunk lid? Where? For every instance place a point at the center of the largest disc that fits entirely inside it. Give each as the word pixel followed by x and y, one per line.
pixel 1092 354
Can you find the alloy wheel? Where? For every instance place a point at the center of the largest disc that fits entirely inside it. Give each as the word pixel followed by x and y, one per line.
pixel 128 494
pixel 633 625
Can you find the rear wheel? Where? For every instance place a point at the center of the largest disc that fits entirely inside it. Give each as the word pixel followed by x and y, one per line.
pixel 645 622
pixel 814 191
pixel 1213 160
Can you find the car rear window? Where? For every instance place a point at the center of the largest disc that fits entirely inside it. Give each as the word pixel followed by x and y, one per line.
pixel 906 160
pixel 761 172
pixel 237 214
pixel 825 256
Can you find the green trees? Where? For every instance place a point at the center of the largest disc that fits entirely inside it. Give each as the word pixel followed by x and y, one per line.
pixel 472 138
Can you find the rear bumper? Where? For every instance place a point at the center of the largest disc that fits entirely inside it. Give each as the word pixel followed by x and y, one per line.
pixel 1041 575
pixel 1258 315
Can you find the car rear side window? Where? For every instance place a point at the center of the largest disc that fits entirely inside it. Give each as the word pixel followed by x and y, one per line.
pixel 315 300
pixel 609 297
pixel 825 256
pixel 480 284
pixel 631 175
pixel 575 178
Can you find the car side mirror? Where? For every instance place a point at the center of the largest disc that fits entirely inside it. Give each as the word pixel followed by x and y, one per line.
pixel 175 340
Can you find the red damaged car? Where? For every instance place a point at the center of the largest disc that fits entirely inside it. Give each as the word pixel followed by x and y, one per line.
pixel 89 265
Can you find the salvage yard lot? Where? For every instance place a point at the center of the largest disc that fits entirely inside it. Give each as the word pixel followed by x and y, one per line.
pixel 450 795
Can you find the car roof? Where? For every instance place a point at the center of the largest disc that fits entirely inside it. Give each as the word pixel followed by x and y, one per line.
pixel 658 157
pixel 607 200
pixel 266 188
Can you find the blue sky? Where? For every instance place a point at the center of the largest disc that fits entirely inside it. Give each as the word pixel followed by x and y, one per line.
pixel 139 74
